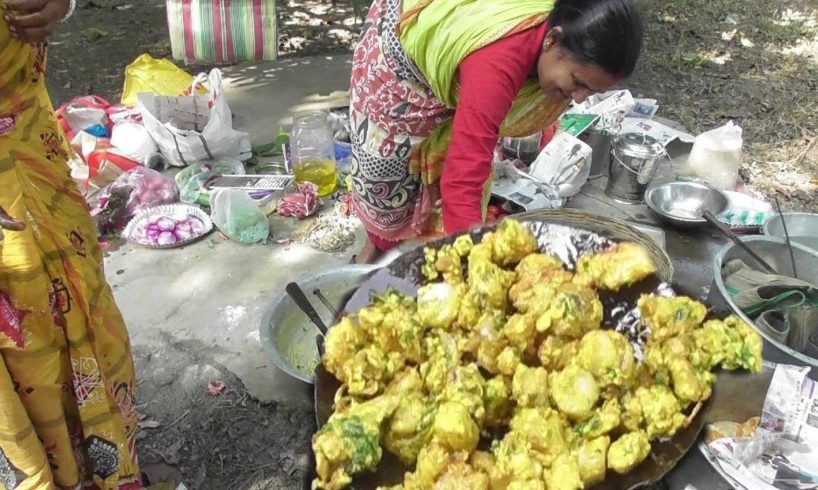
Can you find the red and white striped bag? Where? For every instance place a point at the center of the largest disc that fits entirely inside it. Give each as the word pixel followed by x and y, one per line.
pixel 223 31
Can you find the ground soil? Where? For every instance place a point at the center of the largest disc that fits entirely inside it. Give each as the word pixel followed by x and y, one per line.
pixel 706 61
pixel 217 441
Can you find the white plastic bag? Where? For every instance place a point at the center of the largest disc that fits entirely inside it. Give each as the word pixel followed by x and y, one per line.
pixel 134 141
pixel 716 155
pixel 238 216
pixel 196 127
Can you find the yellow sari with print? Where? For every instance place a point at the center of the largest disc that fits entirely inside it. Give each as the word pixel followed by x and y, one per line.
pixel 403 95
pixel 67 417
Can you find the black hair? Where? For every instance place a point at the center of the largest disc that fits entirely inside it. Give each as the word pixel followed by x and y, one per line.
pixel 607 33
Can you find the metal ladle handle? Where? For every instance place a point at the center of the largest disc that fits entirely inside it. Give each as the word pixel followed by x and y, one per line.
pixel 300 299
pixel 707 215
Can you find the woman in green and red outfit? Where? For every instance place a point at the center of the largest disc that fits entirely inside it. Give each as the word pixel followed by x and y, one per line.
pixel 435 83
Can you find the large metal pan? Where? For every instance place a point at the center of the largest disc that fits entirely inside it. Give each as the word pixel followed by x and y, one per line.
pixel 568 234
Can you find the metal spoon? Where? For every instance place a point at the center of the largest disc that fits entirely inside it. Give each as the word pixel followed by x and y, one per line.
pixel 732 236
pixel 300 299
pixel 318 294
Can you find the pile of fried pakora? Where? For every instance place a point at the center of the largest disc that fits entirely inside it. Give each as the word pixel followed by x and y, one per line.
pixel 509 349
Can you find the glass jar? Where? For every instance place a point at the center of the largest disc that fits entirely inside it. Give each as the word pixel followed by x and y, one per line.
pixel 313 151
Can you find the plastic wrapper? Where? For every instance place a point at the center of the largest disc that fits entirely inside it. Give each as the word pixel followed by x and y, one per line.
pixel 161 77
pixel 194 128
pixel 193 180
pixel 301 203
pixel 716 156
pixel 133 140
pixel 139 189
pixel 88 114
pixel 238 216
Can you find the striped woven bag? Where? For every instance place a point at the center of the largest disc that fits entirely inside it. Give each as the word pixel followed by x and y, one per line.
pixel 223 31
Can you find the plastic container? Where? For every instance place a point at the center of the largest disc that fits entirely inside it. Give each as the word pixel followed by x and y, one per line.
pixel 313 151
pixel 716 156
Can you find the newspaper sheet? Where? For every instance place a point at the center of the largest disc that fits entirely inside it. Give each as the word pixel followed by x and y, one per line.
pixel 661 133
pixel 612 101
pixel 783 452
pixel 518 187
pixel 643 108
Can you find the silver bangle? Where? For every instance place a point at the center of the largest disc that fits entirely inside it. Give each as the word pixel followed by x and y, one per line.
pixel 72 7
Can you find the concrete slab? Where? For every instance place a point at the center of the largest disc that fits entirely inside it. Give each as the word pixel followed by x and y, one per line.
pixel 210 296
pixel 263 97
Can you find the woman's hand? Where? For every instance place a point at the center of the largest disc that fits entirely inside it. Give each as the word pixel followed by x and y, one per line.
pixel 33 21
pixel 9 223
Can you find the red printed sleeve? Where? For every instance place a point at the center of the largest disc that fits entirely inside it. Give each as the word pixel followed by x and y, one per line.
pixel 490 78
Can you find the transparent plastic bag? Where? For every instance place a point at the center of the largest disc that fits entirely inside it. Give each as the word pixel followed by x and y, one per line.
pixel 238 216
pixel 139 189
pixel 716 156
pixel 192 179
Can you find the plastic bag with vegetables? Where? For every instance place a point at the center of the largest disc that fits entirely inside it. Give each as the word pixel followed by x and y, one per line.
pixel 238 216
pixel 193 180
pixel 139 189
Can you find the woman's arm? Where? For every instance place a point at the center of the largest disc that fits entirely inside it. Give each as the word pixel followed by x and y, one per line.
pixel 34 21
pixel 490 78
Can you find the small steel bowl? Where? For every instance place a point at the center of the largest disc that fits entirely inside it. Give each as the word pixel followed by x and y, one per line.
pixel 801 227
pixel 682 203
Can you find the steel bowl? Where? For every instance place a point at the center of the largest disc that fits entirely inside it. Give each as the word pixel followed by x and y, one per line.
pixel 801 227
pixel 775 252
pixel 288 336
pixel 682 203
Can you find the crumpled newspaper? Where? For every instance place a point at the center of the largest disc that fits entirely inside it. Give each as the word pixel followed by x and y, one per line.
pixel 781 453
pixel 611 107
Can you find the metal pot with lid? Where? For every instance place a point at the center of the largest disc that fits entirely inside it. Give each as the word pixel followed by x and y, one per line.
pixel 635 157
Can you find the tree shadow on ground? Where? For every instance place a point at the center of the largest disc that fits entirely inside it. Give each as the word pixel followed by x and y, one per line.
pixel 752 62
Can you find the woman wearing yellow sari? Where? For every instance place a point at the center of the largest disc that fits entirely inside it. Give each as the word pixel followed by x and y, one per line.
pixel 435 83
pixel 67 417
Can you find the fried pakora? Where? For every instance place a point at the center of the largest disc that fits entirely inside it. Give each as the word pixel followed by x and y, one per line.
pixel 341 343
pixel 502 339
pixel 497 402
pixel 571 312
pixel 409 427
pixel 604 419
pixel 608 356
pixel 731 344
pixel 628 451
pixel 488 281
pixel 670 316
pixel 454 428
pixel 621 265
pixel 529 387
pixel 575 392
pixel 556 352
pixel 592 458
pixel 511 243
pixel 439 304
pixel 349 443
pixel 661 412
pixel 544 430
pixel 563 474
